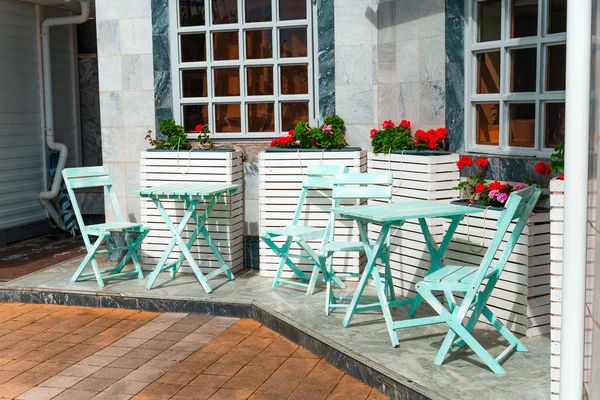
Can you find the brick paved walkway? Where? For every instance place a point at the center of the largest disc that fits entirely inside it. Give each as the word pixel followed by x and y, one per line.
pixel 80 353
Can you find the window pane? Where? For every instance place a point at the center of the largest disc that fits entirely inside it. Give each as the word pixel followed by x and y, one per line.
pixel 193 47
pixel 523 70
pixel 193 83
pixel 488 72
pixel 224 12
pixel 524 18
pixel 294 79
pixel 292 9
pixel 260 81
pixel 489 21
pixel 258 10
pixel 191 12
pixel 225 46
pixel 522 125
pixel 555 124
pixel 228 118
pixel 556 67
pixel 557 16
pixel 227 82
pixel 292 113
pixel 259 44
pixel 261 117
pixel 293 42
pixel 487 124
pixel 194 115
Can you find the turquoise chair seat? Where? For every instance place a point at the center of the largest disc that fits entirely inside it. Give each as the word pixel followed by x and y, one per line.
pixel 114 227
pixel 343 246
pixel 455 274
pixel 304 232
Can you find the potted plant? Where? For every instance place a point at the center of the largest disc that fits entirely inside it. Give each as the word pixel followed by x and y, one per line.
pixel 281 171
pixel 422 169
pixel 176 158
pixel 522 297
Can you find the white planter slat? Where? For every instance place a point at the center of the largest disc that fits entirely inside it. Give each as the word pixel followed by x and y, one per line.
pixel 521 298
pixel 280 184
pixel 416 177
pixel 226 224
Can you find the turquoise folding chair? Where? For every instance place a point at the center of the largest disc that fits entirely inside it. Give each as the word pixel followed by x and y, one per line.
pixel 317 178
pixel 476 284
pixel 80 178
pixel 353 187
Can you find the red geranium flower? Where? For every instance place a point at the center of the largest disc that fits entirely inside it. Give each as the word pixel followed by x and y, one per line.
pixel 482 163
pixel 405 123
pixel 464 161
pixel 480 188
pixel 497 186
pixel 441 133
pixel 388 123
pixel 274 142
pixel 543 168
pixel 562 176
pixel 291 132
pixel 373 133
pixel 199 127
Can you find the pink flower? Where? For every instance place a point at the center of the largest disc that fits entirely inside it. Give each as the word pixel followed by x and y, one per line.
pixel 494 193
pixel 502 197
pixel 520 186
pixel 326 128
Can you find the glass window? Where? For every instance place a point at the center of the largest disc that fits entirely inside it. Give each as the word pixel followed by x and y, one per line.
pixel 244 66
pixel 516 84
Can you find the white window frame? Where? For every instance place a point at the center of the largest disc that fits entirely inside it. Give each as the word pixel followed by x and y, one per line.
pixel 504 98
pixel 176 67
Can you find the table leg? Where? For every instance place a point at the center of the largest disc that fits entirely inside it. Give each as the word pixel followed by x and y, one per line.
pixel 437 253
pixel 372 255
pixel 175 232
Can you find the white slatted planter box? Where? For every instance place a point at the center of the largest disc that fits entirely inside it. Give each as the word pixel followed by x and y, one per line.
pixel 280 182
pixel 417 176
pixel 557 201
pixel 521 298
pixel 226 224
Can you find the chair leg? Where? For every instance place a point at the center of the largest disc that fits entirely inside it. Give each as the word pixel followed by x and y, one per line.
pixel 504 331
pixel 313 280
pixel 133 246
pixel 90 258
pixel 458 328
pixel 389 280
pixel 329 298
pixel 284 255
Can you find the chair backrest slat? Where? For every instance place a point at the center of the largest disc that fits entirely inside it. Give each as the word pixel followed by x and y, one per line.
pixel 91 181
pixel 518 207
pixel 317 177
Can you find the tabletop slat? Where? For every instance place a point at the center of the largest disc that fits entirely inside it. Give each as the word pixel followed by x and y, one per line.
pixel 189 189
pixel 409 210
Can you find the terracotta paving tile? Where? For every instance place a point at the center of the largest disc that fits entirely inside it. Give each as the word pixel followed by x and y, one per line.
pixel 231 394
pixel 157 344
pixel 266 395
pixel 47 336
pixel 173 355
pixel 257 341
pixel 201 338
pixel 112 373
pixel 94 384
pixel 177 378
pixel 204 380
pixel 111 396
pixel 126 387
pixel 18 366
pixel 159 364
pixel 194 393
pixel 144 375
pixel 127 362
pixel 223 369
pixel 80 370
pixel 250 377
pixel 61 381
pixel 240 354
pixel 303 353
pixel 183 327
pixel 281 347
pixel 214 347
pixel 114 351
pixel 11 390
pixel 171 336
pixel 186 346
pixel 301 364
pixel 158 391
pixel 201 356
pixel 73 394
pixel 191 367
pixel 40 393
pixel 144 315
pixel 377 395
pixel 350 387
pixel 146 354
pixel 100 361
pixel 129 342
pixel 262 359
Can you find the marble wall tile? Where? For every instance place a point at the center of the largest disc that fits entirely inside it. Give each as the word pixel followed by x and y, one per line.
pixel 386 63
pixel 251 180
pixel 326 57
pixel 161 53
pixel 354 65
pixel 132 175
pixel 455 8
pixel 388 106
pixel 117 172
pixel 135 142
pixel 455 74
pixel 133 205
pixel 160 17
pixel 136 36
pixel 137 72
pixel 455 27
pixel 108 37
pixel 407 61
pixel 408 103
pixel 138 108
pixel 432 16
pixel 107 9
pixel 251 217
pixel 160 114
pixel 455 123
pixel 386 24
pixel 358 135
pixel 407 20
pixel 163 92
pixel 135 9
pixel 111 109
pixel 109 74
pixel 89 112
pixel 113 140
pixel 352 27
pixel 431 61
pixel 432 104
pixel 455 85
pixel 354 103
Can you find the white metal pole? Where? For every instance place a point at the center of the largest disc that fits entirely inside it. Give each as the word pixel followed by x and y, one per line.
pixel 577 130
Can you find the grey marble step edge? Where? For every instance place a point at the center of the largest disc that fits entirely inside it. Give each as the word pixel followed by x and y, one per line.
pixel 354 364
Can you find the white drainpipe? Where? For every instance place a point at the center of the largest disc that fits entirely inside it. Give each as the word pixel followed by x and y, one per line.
pixel 577 132
pixel 47 196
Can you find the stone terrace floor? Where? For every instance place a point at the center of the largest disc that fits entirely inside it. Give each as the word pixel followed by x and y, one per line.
pixel 79 353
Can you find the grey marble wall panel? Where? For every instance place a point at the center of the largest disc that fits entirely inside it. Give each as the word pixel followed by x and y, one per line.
pixel 89 111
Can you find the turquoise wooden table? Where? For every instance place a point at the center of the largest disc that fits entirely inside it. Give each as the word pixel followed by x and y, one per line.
pixel 191 194
pixel 395 214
